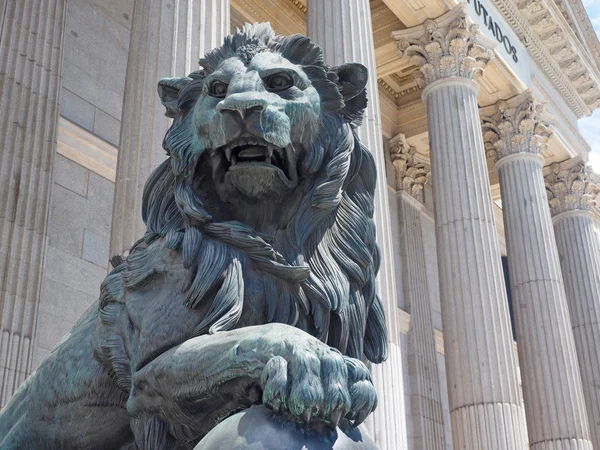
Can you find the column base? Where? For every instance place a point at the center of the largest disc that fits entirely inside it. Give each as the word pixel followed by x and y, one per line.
pixel 563 444
pixel 498 426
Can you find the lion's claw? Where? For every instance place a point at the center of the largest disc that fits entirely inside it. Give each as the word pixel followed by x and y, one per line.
pixel 318 384
pixel 336 416
pixel 362 392
pixel 274 383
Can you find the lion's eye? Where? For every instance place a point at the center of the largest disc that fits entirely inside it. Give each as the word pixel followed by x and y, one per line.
pixel 279 82
pixel 218 89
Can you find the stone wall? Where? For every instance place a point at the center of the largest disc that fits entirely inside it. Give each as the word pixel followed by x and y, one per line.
pixel 76 252
pixel 96 45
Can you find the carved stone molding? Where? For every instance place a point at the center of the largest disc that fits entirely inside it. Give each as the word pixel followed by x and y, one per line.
pixel 571 188
pixel 536 29
pixel 558 35
pixel 514 126
pixel 449 46
pixel 411 174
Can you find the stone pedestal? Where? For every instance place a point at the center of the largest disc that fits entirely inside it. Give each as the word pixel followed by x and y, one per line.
pixel 572 193
pixel 483 389
pixel 30 56
pixel 168 37
pixel 342 28
pixel 552 392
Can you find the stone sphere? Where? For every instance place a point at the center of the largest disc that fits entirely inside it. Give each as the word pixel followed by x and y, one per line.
pixel 258 428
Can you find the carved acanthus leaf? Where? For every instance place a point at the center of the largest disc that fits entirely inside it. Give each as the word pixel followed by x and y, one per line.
pixel 571 188
pixel 411 174
pixel 445 47
pixel 514 126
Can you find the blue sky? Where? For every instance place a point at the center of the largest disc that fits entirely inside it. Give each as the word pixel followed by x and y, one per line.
pixel 590 126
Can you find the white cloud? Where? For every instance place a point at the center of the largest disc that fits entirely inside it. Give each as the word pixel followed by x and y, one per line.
pixel 590 130
pixel 595 161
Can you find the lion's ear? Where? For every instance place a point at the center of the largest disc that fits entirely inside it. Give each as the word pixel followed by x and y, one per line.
pixel 352 79
pixel 168 91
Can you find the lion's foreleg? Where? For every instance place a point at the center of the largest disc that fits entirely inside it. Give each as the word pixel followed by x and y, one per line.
pixel 183 391
pixel 194 385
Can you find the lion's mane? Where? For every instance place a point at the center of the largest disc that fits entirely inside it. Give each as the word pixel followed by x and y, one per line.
pixel 321 276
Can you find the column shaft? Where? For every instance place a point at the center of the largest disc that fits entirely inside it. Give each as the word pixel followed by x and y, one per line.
pixel 554 404
pixel 579 251
pixel 168 37
pixel 426 404
pixel 30 61
pixel 485 405
pixel 342 28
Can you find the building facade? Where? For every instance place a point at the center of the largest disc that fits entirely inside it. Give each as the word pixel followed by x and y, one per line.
pixel 484 209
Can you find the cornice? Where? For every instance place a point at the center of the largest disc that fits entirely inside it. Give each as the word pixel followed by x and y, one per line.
pixel 299 5
pixel 567 48
pixel 559 67
pixel 586 26
pixel 386 87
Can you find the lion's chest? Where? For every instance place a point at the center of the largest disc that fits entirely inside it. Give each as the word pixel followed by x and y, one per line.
pixel 161 319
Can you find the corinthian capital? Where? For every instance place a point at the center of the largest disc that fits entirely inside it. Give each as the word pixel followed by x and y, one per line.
pixel 571 188
pixel 449 46
pixel 411 174
pixel 514 126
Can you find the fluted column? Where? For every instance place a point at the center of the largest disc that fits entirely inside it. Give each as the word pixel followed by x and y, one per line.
pixel 426 404
pixel 485 407
pixel 30 65
pixel 572 195
pixel 342 28
pixel 552 392
pixel 168 37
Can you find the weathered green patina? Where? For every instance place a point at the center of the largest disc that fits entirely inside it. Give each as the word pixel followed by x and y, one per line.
pixel 255 280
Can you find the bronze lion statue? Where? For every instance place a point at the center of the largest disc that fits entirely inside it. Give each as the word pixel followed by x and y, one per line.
pixel 255 280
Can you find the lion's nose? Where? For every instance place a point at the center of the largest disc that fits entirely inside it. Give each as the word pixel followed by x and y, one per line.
pixel 241 116
pixel 241 108
pixel 243 113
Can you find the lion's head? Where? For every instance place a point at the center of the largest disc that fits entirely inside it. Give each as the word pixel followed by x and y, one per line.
pixel 267 180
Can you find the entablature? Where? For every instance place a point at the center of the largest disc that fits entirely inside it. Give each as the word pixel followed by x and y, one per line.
pixel 562 43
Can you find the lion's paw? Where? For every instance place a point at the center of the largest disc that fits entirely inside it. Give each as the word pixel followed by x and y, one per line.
pixel 322 387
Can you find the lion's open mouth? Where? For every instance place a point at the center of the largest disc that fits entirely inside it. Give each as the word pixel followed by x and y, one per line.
pixel 249 152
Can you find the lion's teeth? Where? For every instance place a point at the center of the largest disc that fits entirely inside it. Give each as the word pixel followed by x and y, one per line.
pixel 270 148
pixel 233 160
pixel 228 153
